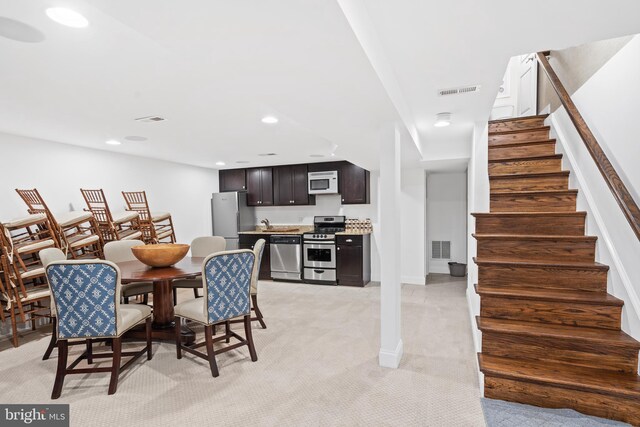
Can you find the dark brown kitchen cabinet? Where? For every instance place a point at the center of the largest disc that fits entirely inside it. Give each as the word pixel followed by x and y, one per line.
pixel 232 180
pixel 247 241
pixel 353 259
pixel 290 185
pixel 353 181
pixel 260 187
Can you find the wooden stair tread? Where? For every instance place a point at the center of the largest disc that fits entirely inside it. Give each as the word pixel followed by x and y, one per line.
pixel 507 132
pixel 584 265
pixel 511 144
pixel 537 192
pixel 574 333
pixel 533 237
pixel 562 375
pixel 519 119
pixel 549 295
pixel 528 214
pixel 528 175
pixel 525 159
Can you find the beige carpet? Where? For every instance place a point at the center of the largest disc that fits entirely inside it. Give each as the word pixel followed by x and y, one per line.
pixel 317 366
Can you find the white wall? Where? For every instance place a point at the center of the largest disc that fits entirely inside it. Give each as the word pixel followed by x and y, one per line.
pixel 447 213
pixel 58 171
pixel 608 102
pixel 413 226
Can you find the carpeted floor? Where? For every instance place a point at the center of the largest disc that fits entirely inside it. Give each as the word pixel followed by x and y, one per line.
pixel 317 367
pixel 507 414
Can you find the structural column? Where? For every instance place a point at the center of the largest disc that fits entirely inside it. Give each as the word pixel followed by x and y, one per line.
pixel 389 202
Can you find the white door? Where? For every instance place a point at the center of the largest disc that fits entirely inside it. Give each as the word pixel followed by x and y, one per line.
pixel 528 86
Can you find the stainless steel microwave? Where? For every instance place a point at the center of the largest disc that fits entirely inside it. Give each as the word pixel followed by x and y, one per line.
pixel 323 182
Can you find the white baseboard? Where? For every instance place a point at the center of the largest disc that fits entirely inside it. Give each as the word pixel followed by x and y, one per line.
pixel 391 358
pixel 413 280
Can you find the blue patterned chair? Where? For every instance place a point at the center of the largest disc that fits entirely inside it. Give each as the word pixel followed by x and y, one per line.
pixel 258 250
pixel 86 297
pixel 227 288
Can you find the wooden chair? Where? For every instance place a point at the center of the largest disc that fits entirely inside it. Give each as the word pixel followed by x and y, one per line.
pixel 92 312
pixel 25 291
pixel 227 287
pixel 78 233
pixel 156 227
pixel 121 252
pixel 200 247
pixel 119 226
pixel 258 250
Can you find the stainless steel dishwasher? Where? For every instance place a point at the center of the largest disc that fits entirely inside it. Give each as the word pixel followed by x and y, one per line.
pixel 286 257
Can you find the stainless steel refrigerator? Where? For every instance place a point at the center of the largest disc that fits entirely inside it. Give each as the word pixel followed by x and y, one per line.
pixel 231 215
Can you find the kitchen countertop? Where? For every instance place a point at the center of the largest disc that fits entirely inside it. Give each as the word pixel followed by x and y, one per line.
pixel 301 229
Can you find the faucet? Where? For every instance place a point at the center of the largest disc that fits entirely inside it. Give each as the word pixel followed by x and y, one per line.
pixel 266 223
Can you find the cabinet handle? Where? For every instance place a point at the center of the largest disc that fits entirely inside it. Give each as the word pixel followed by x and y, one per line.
pixel 338 248
pixel 349 240
pixel 343 200
pixel 243 187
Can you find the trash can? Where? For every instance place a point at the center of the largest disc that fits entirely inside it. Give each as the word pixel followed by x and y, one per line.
pixel 457 269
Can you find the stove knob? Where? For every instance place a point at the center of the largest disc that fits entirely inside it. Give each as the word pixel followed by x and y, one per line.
pixel 324 236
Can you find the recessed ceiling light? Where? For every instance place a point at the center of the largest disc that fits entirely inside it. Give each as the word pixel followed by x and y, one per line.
pixel 267 154
pixel 270 120
pixel 67 17
pixel 135 138
pixel 442 120
pixel 113 142
pixel 220 163
pixel 242 161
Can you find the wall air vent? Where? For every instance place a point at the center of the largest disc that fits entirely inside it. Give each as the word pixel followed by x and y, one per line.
pixel 150 119
pixel 441 249
pixel 459 90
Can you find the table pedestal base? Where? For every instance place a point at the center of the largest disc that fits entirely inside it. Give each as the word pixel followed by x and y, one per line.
pixel 163 334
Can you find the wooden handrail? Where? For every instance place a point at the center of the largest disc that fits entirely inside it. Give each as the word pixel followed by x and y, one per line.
pixel 620 192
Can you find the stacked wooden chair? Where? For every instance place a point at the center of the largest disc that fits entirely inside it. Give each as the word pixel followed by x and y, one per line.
pixel 77 233
pixel 118 226
pixel 156 227
pixel 24 291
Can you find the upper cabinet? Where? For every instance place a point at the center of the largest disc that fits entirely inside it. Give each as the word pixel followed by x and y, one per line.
pixel 290 185
pixel 260 187
pixel 353 181
pixel 232 180
pixel 287 185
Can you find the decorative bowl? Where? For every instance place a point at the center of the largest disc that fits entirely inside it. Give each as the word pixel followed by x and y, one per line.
pixel 160 255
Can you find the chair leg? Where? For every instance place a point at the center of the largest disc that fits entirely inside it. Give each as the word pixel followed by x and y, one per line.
pixel 195 293
pixel 89 352
pixel 126 300
pixel 14 328
pixel 178 338
pixel 52 344
pixel 227 331
pixel 254 301
pixel 147 330
pixel 115 368
pixel 145 299
pixel 63 352
pixel 210 353
pixel 249 337
pixel 175 296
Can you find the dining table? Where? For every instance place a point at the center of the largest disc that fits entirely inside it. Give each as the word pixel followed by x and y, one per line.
pixel 163 325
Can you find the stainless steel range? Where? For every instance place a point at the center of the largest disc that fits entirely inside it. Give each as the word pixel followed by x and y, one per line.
pixel 319 250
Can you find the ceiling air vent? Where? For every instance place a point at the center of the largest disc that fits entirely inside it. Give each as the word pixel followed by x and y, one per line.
pixel 459 90
pixel 150 119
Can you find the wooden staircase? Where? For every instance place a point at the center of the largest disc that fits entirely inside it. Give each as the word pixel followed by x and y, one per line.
pixel 551 333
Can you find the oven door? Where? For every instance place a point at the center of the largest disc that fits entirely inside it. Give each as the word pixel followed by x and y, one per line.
pixel 319 255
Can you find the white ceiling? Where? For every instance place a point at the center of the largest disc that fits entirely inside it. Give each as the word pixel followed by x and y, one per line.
pixel 332 71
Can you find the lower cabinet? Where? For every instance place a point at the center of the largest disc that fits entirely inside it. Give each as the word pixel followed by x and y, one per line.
pixel 247 241
pixel 353 259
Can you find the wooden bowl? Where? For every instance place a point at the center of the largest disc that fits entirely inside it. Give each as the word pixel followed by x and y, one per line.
pixel 160 255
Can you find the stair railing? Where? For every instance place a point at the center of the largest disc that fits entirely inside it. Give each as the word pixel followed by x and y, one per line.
pixel 620 192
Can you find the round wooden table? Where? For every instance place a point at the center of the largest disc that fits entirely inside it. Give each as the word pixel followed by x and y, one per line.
pixel 163 315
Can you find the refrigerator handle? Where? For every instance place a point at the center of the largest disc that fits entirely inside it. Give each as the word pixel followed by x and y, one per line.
pixel 238 221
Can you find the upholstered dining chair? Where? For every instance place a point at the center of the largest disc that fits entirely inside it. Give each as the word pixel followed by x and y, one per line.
pixel 86 296
pixel 200 247
pixel 258 250
pixel 226 280
pixel 120 251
